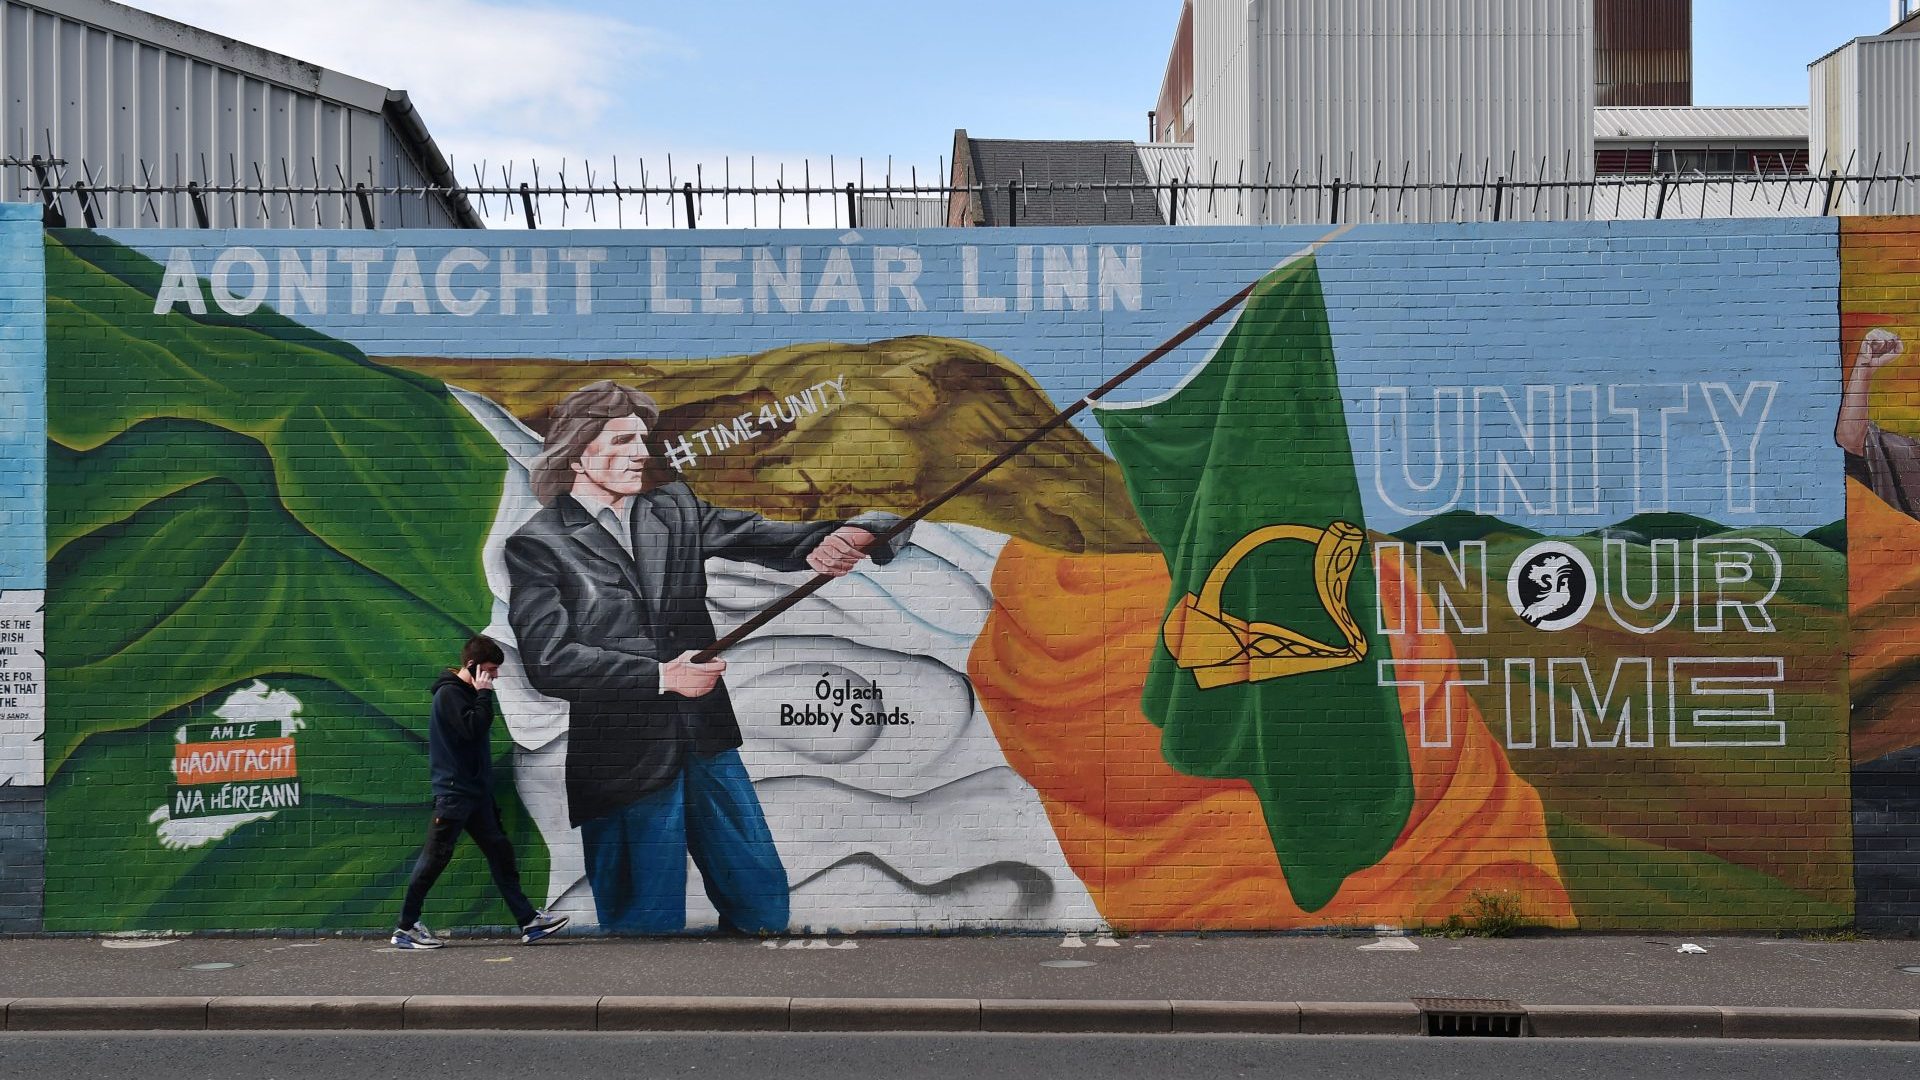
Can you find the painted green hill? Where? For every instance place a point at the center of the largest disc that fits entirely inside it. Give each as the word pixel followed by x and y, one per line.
pixel 1455 526
pixel 213 522
pixel 1665 525
pixel 1766 828
pixel 1831 535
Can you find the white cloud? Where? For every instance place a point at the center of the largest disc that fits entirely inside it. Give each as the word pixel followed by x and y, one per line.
pixel 470 65
pixel 509 85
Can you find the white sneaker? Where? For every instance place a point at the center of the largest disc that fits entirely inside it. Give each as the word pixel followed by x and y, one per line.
pixel 542 925
pixel 416 936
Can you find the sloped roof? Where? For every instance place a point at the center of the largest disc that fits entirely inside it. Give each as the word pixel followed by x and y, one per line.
pixel 1675 123
pixel 1039 162
pixel 87 74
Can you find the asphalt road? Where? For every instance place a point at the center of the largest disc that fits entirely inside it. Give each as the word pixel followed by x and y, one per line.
pixel 476 1056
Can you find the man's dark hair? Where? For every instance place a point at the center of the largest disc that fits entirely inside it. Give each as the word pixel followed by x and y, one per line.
pixel 575 423
pixel 481 649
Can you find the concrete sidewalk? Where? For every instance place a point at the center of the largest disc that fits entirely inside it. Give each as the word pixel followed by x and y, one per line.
pixel 1560 985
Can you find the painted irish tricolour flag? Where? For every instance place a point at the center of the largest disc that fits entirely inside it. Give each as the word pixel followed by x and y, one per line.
pixel 1139 689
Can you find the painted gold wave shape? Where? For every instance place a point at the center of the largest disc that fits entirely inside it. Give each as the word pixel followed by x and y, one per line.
pixel 919 414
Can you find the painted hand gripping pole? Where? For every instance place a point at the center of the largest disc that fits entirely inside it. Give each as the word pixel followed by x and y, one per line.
pixel 1434 563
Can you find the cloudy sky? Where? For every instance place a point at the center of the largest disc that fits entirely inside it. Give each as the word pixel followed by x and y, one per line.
pixel 782 81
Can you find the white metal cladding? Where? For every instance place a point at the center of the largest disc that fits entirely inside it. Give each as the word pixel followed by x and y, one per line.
pixel 1631 198
pixel 1674 123
pixel 1443 91
pixel 87 81
pixel 1222 93
pixel 1889 124
pixel 1169 163
pixel 903 212
pixel 1866 121
pixel 1834 112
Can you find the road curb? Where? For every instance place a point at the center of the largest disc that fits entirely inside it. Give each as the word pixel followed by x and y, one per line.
pixel 429 1012
pixel 1360 1018
pixel 1624 1022
pixel 1879 1025
pixel 1047 1015
pixel 108 1014
pixel 694 1013
pixel 306 1013
pixel 884 1014
pixel 439 1012
pixel 1237 1017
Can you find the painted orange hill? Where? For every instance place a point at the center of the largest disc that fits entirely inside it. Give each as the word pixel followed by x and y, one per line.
pixel 1883 582
pixel 1880 290
pixel 1060 668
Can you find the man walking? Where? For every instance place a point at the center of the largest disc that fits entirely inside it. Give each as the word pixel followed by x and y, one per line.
pixel 460 753
pixel 609 606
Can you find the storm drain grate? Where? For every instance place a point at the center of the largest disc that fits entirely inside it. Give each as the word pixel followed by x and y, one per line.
pixel 1491 1018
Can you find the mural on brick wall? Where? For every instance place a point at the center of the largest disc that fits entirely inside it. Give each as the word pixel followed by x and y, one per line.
pixel 22 569
pixel 1454 563
pixel 1878 424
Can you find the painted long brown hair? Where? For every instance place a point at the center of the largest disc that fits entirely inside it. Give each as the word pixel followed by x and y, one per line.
pixel 577 421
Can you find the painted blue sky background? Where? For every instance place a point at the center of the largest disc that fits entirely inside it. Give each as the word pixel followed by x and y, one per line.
pixel 1633 305
pixel 23 400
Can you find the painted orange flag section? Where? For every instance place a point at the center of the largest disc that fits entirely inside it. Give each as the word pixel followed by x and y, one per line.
pixel 1883 582
pixel 1059 669
pixel 245 759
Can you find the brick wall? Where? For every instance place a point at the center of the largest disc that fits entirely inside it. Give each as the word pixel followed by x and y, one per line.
pixel 23 502
pixel 1582 653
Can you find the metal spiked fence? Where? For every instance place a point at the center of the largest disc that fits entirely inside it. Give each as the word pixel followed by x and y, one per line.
pixel 842 194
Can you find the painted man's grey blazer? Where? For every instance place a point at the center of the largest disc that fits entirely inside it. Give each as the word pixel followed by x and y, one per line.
pixel 594 626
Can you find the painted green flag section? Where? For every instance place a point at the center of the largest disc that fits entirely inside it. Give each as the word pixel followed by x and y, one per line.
pixel 1258 437
pixel 246 515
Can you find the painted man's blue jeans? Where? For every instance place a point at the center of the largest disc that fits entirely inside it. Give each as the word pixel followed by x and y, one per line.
pixel 637 855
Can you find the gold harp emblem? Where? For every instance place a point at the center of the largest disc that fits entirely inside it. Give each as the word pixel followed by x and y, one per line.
pixel 1222 650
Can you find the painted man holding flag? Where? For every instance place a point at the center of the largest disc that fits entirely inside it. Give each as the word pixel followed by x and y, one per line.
pixel 609 607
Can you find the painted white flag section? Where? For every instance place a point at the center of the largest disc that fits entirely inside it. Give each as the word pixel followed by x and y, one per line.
pixel 915 820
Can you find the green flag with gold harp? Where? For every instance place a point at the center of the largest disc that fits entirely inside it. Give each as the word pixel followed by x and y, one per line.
pixel 1266 668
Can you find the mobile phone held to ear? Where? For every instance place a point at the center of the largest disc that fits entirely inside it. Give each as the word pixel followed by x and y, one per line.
pixel 470 668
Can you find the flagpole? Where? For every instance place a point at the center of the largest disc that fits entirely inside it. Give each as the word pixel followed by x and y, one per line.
pixel 779 607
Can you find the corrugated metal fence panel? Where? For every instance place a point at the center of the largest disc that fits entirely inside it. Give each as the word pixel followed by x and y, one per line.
pixel 1823 110
pixel 902 212
pixel 1223 96
pixel 1165 163
pixel 1889 120
pixel 410 211
pixel 116 102
pixel 1638 198
pixel 1836 83
pixel 1383 90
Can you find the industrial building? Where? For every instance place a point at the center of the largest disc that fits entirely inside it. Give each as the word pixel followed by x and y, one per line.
pixel 1462 97
pixel 1866 113
pixel 102 93
pixel 1376 91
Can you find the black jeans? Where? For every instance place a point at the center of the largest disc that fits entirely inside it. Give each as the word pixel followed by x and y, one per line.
pixel 479 819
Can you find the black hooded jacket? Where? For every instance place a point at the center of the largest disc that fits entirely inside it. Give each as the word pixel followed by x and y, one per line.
pixel 459 743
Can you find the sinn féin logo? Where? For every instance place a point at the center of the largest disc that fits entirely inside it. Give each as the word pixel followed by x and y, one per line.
pixel 1551 585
